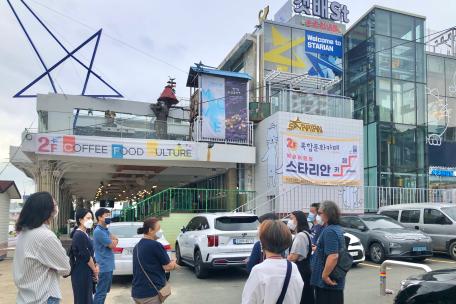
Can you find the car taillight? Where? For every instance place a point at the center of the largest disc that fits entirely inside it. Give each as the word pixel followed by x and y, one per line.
pixel 167 247
pixel 117 250
pixel 212 241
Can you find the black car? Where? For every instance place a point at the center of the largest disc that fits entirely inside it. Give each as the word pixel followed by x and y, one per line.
pixel 435 287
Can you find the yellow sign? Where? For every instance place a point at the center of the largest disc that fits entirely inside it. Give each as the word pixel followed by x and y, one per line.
pixel 303 126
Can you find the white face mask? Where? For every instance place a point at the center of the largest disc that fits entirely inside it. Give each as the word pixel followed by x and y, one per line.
pixel 319 220
pixel 88 224
pixel 291 225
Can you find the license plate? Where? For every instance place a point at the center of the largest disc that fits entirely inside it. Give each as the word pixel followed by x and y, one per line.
pixel 353 253
pixel 242 241
pixel 127 251
pixel 419 248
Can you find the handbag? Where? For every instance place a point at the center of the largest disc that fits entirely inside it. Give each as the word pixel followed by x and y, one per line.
pixel 163 293
pixel 344 264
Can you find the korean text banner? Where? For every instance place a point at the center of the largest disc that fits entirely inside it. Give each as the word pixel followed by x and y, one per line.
pixel 236 116
pixel 213 106
pixel 311 159
pixel 86 146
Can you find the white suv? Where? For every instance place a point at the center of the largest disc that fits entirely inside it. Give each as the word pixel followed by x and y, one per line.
pixel 216 240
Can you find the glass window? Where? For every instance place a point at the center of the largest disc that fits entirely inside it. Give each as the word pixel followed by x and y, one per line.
pixel 382 22
pixel 386 142
pixel 404 102
pixel 450 72
pixel 436 75
pixel 421 135
pixel 420 63
pixel 384 98
pixel 357 35
pixel 394 214
pixel 381 222
pixel 421 104
pixel 236 223
pixel 419 30
pixel 351 222
pixel 383 56
pixel 450 211
pixel 403 60
pixel 434 216
pixel 373 176
pixel 192 225
pixel 410 216
pixel 404 148
pixel 372 144
pixel 402 26
pixel 365 147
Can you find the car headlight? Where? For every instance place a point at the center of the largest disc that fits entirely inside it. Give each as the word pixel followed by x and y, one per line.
pixel 394 245
pixel 407 283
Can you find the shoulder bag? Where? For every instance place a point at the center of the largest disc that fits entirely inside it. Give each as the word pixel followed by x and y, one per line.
pixel 285 283
pixel 344 264
pixel 163 293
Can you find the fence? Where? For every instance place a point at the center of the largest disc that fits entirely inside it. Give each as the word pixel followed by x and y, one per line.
pixel 186 200
pixel 349 199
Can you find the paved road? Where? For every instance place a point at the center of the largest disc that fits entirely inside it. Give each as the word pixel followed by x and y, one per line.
pixel 225 287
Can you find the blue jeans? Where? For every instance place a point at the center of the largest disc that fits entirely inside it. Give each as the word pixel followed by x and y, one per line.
pixel 103 287
pixel 52 300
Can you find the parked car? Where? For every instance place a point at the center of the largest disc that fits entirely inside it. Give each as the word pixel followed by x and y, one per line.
pixel 435 219
pixel 435 287
pixel 354 246
pixel 383 237
pixel 216 240
pixel 128 238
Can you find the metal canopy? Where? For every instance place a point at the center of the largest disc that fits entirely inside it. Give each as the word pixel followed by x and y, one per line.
pixel 305 82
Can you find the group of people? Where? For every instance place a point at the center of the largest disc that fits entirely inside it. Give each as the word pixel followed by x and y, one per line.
pixel 292 263
pixel 40 259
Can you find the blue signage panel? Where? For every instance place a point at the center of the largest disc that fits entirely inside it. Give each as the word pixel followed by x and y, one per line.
pixel 322 43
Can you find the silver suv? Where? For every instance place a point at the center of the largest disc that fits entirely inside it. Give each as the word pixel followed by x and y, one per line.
pixel 435 219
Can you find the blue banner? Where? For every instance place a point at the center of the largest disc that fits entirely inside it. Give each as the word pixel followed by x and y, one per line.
pixel 322 43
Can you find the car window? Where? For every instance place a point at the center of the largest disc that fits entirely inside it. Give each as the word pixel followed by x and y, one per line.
pixel 203 223
pixel 345 222
pixel 450 211
pixel 394 214
pixel 125 231
pixel 410 216
pixel 434 216
pixel 236 223
pixel 381 222
pixel 193 224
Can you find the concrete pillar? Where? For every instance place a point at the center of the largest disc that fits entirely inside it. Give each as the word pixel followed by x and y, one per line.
pixel 231 184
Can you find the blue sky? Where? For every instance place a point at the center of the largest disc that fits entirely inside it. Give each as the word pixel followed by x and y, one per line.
pixel 164 38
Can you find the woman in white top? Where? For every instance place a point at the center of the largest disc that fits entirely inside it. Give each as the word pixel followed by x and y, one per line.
pixel 266 280
pixel 301 251
pixel 39 259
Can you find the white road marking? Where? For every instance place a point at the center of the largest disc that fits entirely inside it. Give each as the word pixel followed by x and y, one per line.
pixel 441 261
pixel 372 265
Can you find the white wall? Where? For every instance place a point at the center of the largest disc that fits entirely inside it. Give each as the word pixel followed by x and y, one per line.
pixel 4 222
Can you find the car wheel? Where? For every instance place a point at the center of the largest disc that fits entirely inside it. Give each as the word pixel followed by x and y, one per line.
pixel 377 253
pixel 200 269
pixel 178 256
pixel 452 250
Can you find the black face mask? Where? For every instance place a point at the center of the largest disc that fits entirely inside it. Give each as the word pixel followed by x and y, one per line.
pixel 108 220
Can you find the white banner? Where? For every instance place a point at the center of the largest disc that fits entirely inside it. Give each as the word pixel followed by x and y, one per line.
pixel 312 159
pixel 213 107
pixel 116 148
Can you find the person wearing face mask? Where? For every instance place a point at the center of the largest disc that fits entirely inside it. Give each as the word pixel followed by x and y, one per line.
pixel 317 223
pixel 39 258
pixel 104 243
pixel 150 261
pixel 85 271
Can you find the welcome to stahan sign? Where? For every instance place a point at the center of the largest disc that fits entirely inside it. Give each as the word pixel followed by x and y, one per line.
pixel 322 8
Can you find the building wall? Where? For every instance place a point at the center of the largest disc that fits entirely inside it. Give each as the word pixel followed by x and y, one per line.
pixel 4 223
pixel 385 75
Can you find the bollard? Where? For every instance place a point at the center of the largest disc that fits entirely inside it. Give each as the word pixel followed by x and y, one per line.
pixel 383 290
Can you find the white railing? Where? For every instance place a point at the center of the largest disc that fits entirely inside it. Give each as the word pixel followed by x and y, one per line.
pixel 199 137
pixel 349 199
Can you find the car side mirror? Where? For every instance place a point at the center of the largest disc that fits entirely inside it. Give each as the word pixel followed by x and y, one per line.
pixel 183 229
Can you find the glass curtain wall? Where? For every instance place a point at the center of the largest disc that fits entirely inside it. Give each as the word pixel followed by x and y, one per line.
pixel 385 74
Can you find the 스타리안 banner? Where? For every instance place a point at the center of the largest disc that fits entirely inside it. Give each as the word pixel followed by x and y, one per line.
pixel 318 160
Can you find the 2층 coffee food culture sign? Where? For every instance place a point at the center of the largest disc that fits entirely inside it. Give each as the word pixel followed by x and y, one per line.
pixel 323 9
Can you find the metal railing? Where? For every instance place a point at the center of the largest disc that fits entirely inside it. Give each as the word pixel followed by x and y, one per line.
pixel 186 200
pixel 350 199
pixel 383 290
pixel 242 139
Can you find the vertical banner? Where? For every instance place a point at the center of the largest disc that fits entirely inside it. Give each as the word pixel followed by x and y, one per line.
pixel 213 107
pixel 236 109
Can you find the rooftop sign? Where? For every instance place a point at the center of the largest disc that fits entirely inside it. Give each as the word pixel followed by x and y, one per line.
pixel 323 9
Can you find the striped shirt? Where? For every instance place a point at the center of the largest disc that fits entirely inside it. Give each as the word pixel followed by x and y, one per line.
pixel 39 260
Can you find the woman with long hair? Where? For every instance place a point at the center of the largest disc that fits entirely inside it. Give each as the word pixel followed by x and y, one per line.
pixel 150 261
pixel 39 259
pixel 301 251
pixel 84 269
